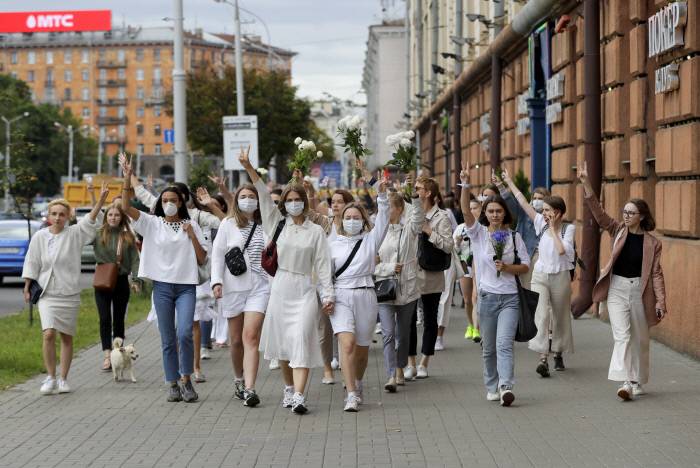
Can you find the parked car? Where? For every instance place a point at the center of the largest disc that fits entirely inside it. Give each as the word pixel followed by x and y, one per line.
pixel 14 243
pixel 88 254
pixel 10 215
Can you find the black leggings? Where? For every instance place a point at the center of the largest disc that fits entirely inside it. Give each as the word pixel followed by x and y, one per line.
pixel 111 305
pixel 413 340
pixel 430 323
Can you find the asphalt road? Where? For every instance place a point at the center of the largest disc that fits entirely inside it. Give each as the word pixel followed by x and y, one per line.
pixel 11 300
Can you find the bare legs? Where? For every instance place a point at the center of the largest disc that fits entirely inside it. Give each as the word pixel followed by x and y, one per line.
pixel 49 352
pixel 244 336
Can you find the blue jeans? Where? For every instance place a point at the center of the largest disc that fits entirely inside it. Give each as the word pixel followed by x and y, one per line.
pixel 206 326
pixel 175 340
pixel 498 321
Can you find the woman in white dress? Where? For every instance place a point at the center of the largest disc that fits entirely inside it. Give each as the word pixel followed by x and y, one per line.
pixel 53 261
pixel 243 297
pixel 290 330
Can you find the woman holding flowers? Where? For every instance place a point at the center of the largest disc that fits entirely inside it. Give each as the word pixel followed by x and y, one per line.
pixel 290 329
pixel 499 255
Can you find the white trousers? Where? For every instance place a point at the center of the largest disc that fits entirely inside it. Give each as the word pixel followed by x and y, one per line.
pixel 630 357
pixel 553 312
pixel 446 297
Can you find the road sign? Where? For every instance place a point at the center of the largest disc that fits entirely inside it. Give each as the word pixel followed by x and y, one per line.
pixel 169 136
pixel 56 21
pixel 240 132
pixel 333 171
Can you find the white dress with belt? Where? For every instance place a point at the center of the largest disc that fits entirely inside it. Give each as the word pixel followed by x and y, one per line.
pixel 290 329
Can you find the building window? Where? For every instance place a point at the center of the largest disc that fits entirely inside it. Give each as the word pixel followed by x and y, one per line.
pixel 13 58
pixel 122 112
pixel 13 74
pixel 139 74
pixel 157 149
pixel 157 110
pixel 68 56
pixel 86 112
pixel 67 94
pixel 103 74
pixel 139 129
pixel 156 55
pixel 122 130
pixel 30 76
pixel 139 149
pixel 156 77
pixel 102 53
pixel 103 94
pixel 49 75
pixel 103 111
pixel 68 76
pixel 140 112
pixel 156 130
pixel 85 56
pixel 85 74
pixel 139 92
pixel 121 74
pixel 49 57
pixel 121 55
pixel 31 57
pixel 139 55
pixel 86 94
pixel 122 93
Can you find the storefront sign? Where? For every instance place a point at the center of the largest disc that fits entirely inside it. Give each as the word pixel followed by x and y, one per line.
pixel 239 132
pixel 666 28
pixel 555 87
pixel 667 78
pixel 522 103
pixel 553 113
pixel 523 126
pixel 485 123
pixel 56 21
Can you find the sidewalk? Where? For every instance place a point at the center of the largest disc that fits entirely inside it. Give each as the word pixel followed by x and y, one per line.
pixel 572 419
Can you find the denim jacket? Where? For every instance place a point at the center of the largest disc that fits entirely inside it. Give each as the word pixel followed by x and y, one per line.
pixel 524 225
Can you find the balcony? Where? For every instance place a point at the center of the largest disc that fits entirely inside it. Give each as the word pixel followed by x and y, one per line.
pixel 114 139
pixel 111 102
pixel 112 120
pixel 49 84
pixel 111 83
pixel 111 64
pixel 157 82
pixel 154 100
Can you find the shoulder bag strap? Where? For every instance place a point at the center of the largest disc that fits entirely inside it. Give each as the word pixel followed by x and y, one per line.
pixel 516 260
pixel 349 260
pixel 119 249
pixel 278 231
pixel 250 236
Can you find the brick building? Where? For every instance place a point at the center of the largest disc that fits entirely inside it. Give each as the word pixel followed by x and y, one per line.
pixel 650 128
pixel 116 81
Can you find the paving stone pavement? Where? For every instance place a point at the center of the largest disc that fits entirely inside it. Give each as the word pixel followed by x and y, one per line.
pixel 573 419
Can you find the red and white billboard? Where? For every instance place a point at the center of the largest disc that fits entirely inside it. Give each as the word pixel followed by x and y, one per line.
pixel 55 21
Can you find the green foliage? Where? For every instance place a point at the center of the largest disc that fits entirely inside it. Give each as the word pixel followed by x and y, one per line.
pixel 38 147
pixel 282 116
pixel 523 183
pixel 20 353
pixel 199 175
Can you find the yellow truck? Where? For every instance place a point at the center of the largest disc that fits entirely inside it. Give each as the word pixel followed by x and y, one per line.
pixel 77 192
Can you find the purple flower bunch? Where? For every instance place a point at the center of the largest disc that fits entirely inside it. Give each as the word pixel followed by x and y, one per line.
pixel 498 240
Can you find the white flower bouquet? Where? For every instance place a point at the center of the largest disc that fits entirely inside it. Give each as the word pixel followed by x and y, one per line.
pixel 305 155
pixel 349 129
pixel 404 153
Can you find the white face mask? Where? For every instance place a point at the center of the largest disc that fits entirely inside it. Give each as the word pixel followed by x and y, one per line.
pixel 294 208
pixel 538 205
pixel 352 226
pixel 169 208
pixel 247 205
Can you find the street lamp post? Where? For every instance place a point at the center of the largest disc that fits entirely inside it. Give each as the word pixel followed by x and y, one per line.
pixel 70 131
pixel 8 124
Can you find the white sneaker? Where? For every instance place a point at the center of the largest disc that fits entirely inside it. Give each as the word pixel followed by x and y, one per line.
pixel 352 403
pixel 288 397
pixel 63 386
pixel 335 364
pixel 493 396
pixel 625 392
pixel 274 364
pixel 48 386
pixel 409 373
pixel 422 372
pixel 637 390
pixel 439 344
pixel 299 404
pixel 507 397
pixel 358 391
pixel 204 353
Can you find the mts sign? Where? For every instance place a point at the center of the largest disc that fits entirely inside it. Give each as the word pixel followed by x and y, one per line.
pixel 56 21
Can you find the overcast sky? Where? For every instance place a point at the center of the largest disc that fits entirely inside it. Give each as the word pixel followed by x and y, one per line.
pixel 329 35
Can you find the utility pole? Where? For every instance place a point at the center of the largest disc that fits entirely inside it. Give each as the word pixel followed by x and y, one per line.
pixel 240 93
pixel 8 124
pixel 179 97
pixel 70 131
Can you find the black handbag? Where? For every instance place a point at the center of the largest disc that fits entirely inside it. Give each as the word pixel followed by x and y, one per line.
pixel 387 289
pixel 234 258
pixel 527 305
pixel 430 258
pixel 34 291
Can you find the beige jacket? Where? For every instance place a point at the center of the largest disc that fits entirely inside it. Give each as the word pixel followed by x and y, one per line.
pixel 430 282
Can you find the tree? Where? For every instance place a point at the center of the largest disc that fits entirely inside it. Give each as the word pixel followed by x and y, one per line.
pixel 199 175
pixel 282 116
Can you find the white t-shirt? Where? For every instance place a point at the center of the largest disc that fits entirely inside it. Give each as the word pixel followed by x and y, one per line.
pixel 549 260
pixel 167 254
pixel 482 248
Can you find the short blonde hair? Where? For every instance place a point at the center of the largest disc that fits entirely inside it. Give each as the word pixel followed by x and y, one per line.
pixel 366 223
pixel 60 201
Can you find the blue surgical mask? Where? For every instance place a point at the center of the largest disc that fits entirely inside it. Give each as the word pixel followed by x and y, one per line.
pixel 352 226
pixel 294 208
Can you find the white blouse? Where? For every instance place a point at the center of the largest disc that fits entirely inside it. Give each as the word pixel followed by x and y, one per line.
pixel 549 260
pixel 482 248
pixel 167 255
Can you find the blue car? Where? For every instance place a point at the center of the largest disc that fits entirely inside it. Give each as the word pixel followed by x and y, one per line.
pixel 14 243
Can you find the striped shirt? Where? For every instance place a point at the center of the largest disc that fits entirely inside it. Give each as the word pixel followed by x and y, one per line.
pixel 256 246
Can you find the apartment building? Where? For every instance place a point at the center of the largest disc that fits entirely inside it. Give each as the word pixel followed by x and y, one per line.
pixel 117 81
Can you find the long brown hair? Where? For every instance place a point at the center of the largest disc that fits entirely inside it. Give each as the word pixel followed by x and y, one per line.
pixel 647 222
pixel 124 227
pixel 238 216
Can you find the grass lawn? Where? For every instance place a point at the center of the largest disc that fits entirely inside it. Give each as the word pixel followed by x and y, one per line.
pixel 20 344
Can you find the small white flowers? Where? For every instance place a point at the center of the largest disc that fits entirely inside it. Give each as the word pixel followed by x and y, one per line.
pixel 349 123
pixel 319 154
pixel 297 141
pixel 262 171
pixel 306 145
pixel 402 139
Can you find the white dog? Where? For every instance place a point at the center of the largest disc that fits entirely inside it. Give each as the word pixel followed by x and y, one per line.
pixel 121 357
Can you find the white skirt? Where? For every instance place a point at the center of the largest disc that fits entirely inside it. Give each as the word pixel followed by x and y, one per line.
pixel 59 313
pixel 254 300
pixel 290 329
